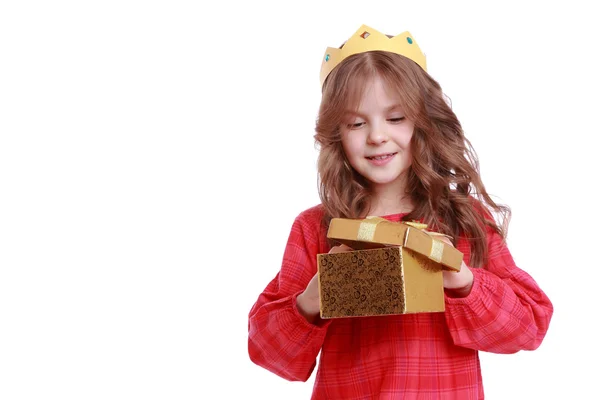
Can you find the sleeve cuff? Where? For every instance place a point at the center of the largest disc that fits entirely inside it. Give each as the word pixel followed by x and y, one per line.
pixel 479 281
pixel 320 324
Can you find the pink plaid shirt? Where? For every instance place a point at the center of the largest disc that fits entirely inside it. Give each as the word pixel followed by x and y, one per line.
pixel 411 356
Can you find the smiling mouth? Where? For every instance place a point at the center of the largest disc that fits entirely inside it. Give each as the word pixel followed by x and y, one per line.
pixel 382 157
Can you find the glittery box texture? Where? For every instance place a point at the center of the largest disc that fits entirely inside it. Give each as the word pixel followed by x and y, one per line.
pixel 398 272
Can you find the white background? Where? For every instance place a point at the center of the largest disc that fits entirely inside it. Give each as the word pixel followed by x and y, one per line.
pixel 153 156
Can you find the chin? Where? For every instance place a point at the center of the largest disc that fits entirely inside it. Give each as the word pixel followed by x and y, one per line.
pixel 386 179
pixel 383 180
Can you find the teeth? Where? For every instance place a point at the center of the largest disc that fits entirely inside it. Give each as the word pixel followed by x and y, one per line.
pixel 381 157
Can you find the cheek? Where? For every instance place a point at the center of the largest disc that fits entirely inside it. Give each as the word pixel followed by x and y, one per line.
pixel 404 142
pixel 408 155
pixel 406 138
pixel 351 147
pixel 408 152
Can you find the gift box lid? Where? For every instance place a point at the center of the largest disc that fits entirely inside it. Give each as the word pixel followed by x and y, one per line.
pixel 375 232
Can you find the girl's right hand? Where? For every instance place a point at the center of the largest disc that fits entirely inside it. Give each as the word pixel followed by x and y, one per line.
pixel 308 301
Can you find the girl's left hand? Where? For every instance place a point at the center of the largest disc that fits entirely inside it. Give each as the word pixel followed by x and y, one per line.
pixel 458 283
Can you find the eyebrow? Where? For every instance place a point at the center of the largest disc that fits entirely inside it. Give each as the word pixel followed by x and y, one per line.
pixel 394 107
pixel 390 108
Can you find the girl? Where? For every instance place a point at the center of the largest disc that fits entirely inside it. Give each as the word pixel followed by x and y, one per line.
pixel 391 146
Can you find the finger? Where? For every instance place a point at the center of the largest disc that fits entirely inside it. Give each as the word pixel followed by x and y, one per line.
pixel 444 239
pixel 340 249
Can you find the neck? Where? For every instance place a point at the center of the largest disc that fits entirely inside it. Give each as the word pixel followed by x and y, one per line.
pixel 390 207
pixel 390 199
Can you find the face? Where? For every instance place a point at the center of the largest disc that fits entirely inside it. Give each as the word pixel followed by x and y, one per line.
pixel 376 137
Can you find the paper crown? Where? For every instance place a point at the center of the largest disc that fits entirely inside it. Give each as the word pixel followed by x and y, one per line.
pixel 368 39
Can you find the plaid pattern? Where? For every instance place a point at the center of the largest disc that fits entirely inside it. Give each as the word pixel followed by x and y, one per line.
pixel 411 356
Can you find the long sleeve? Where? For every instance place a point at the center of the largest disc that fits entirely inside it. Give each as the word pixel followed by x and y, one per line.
pixel 505 311
pixel 279 338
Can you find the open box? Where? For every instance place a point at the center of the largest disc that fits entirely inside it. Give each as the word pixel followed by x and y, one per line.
pixel 395 268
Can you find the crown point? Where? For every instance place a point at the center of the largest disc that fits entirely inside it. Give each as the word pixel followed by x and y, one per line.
pixel 368 39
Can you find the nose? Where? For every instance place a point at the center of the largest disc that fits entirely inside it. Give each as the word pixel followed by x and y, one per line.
pixel 377 135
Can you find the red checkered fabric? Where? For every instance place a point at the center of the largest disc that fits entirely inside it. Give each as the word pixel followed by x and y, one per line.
pixel 411 356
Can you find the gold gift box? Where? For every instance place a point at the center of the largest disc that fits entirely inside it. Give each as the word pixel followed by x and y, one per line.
pixel 395 268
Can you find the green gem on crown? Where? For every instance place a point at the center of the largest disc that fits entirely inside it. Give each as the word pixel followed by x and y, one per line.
pixel 327 58
pixel 409 40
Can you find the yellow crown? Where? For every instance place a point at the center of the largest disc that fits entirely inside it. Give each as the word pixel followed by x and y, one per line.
pixel 368 39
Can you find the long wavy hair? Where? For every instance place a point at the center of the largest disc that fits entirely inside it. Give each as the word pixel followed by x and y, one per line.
pixel 443 180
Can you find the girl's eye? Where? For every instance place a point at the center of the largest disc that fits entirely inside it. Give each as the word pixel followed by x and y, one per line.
pixel 356 125
pixel 396 119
